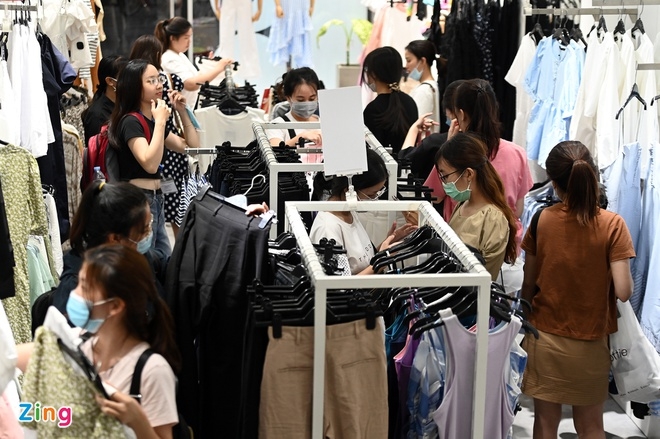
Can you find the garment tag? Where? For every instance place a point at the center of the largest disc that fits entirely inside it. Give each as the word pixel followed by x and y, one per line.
pixel 168 186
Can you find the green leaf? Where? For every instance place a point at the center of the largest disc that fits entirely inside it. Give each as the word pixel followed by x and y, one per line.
pixel 327 25
pixel 362 28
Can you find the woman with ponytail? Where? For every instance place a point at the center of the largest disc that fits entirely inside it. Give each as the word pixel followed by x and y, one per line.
pixel 103 102
pixel 391 114
pixel 577 264
pixel 175 35
pixel 482 219
pixel 115 213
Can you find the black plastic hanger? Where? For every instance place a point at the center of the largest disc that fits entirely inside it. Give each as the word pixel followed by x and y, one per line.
pixel 86 366
pixel 634 93
pixel 638 26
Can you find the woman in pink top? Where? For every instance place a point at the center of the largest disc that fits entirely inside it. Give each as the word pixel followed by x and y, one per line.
pixel 476 110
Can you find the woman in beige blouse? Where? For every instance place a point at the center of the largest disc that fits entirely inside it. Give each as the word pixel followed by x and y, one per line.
pixel 483 218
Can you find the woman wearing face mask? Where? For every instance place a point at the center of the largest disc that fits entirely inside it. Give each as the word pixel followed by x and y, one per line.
pixel 300 88
pixel 476 110
pixel 345 227
pixel 420 55
pixel 482 218
pixel 116 301
pixel 108 213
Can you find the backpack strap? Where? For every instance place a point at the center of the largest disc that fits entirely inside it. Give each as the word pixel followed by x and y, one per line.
pixel 534 224
pixel 143 122
pixel 292 132
pixel 137 374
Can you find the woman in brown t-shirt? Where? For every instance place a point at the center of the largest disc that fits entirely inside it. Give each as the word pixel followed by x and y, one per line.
pixel 577 263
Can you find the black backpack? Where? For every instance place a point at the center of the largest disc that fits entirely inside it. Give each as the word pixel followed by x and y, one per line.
pixel 180 430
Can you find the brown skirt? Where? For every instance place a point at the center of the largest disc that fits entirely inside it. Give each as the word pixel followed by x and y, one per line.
pixel 565 370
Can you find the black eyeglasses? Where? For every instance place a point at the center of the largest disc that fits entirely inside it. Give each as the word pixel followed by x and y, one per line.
pixel 443 178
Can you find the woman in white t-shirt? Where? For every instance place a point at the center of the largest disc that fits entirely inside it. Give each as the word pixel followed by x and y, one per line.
pixel 345 227
pixel 175 35
pixel 420 55
pixel 300 88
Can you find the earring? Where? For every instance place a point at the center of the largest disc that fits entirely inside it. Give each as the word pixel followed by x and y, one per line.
pixel 114 88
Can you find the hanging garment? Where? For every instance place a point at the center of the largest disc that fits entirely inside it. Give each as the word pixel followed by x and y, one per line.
pixel 524 103
pixel 8 354
pixel 355 383
pixel 290 36
pixel 51 380
pixel 66 24
pixel 648 131
pixel 54 234
pixel 236 16
pixel 9 426
pixel 210 311
pixel 552 80
pixel 26 75
pixel 41 280
pixel 10 124
pixel 627 77
pixel 73 147
pixel 26 215
pixel 460 348
pixel 597 102
pixel 7 261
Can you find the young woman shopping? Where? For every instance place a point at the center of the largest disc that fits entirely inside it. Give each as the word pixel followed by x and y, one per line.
pixel 116 301
pixel 300 87
pixel 175 34
pixel 420 55
pixel 577 263
pixel 476 111
pixel 345 227
pixel 138 132
pixel 391 114
pixel 175 165
pixel 482 218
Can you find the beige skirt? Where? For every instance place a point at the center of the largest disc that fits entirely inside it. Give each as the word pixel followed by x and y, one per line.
pixel 565 370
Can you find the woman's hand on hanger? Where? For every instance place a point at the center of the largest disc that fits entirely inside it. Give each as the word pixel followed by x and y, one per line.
pixel 401 232
pixel 160 111
pixel 256 209
pixel 313 136
pixel 177 100
pixel 222 64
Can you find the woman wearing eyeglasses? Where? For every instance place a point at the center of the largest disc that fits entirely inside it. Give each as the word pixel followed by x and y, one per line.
pixel 482 219
pixel 345 227
pixel 140 152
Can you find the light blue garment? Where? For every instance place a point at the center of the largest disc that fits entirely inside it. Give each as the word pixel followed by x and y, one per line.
pixel 39 275
pixel 622 182
pixel 290 36
pixel 552 80
pixel 644 246
pixel 650 317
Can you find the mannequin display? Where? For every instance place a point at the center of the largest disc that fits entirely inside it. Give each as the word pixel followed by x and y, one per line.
pixel 290 39
pixel 236 16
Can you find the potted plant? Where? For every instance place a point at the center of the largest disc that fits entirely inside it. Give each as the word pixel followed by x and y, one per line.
pixel 348 73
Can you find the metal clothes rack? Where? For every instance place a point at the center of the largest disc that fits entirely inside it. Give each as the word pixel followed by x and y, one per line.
pixel 648 66
pixel 274 167
pixel 583 11
pixel 625 2
pixel 476 276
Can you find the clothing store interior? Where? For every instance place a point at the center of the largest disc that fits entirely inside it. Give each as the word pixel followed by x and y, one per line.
pixel 357 219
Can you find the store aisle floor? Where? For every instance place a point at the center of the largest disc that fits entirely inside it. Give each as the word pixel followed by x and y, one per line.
pixel 617 424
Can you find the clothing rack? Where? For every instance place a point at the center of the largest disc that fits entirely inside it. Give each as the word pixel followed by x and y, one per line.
pixel 624 2
pixel 583 11
pixel 648 66
pixel 274 167
pixel 476 276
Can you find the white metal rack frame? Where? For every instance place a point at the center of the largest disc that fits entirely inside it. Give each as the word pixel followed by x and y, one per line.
pixel 476 276
pixel 274 167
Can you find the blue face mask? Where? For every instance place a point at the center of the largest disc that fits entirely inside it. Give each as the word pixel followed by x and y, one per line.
pixel 144 244
pixel 452 191
pixel 79 311
pixel 415 74
pixel 448 121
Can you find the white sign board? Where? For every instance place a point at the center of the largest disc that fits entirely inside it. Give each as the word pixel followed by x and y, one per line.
pixel 342 128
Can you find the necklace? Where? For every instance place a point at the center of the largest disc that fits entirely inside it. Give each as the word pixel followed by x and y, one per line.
pixel 113 360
